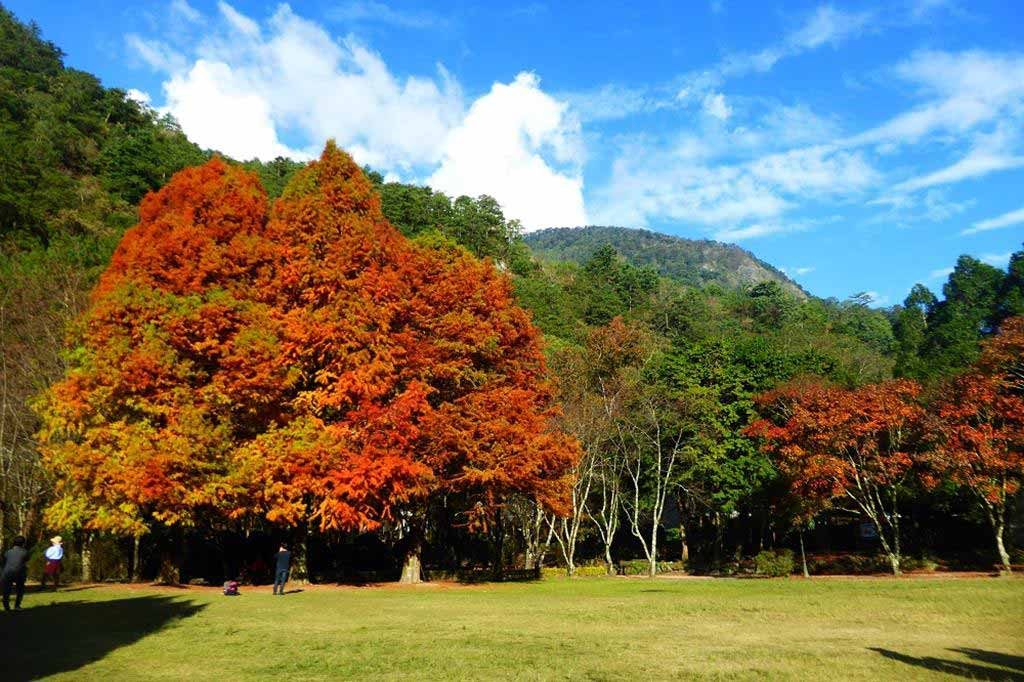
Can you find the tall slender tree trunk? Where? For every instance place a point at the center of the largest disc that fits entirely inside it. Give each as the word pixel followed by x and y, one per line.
pixel 997 519
pixel 654 550
pixel 136 572
pixel 87 557
pixel 803 555
pixel 499 559
pixel 684 548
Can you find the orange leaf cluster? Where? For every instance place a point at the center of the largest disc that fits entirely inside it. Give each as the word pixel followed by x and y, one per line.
pixel 833 442
pixel 981 420
pixel 302 361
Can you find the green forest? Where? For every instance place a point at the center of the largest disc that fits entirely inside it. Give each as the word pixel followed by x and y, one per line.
pixel 680 367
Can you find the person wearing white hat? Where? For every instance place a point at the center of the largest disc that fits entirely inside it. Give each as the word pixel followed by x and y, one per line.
pixel 54 556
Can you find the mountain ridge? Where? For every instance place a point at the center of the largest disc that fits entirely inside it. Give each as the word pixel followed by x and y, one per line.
pixel 695 262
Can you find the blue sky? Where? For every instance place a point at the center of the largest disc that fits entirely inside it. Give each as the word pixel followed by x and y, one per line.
pixel 859 146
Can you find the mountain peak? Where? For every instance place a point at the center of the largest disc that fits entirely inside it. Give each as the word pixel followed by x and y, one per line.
pixel 696 262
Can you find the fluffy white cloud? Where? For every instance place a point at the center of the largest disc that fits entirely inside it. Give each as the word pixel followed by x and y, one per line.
pixel 217 110
pixel 714 105
pixel 500 149
pixel 1005 220
pixel 249 84
pixel 820 169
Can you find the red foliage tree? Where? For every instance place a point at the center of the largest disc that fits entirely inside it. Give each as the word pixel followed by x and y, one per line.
pixel 145 421
pixel 980 423
pixel 310 365
pixel 835 444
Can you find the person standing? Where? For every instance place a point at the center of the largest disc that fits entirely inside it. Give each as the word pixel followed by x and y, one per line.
pixel 14 571
pixel 54 557
pixel 281 565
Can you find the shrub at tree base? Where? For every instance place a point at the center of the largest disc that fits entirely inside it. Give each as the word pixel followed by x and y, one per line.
pixel 301 362
pixel 774 563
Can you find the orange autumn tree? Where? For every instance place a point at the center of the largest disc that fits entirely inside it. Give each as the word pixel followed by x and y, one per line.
pixel 980 423
pixel 172 364
pixel 836 445
pixel 316 367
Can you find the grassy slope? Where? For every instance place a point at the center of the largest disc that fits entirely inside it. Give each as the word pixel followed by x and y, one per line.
pixel 560 629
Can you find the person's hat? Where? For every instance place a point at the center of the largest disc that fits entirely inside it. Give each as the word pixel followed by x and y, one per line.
pixel 56 539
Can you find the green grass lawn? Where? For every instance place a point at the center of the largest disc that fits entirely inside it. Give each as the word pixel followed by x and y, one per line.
pixel 590 628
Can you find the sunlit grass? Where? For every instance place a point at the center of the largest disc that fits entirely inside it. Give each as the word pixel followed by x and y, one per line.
pixel 559 629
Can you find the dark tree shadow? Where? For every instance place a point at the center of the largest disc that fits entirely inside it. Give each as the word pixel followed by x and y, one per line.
pixel 1010 667
pixel 61 637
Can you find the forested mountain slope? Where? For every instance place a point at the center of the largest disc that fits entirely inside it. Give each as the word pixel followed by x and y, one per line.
pixel 688 261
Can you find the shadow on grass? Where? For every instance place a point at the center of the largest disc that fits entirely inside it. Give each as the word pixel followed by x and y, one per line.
pixel 1010 667
pixel 65 636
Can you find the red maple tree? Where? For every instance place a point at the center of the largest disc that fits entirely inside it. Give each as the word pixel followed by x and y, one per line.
pixel 836 445
pixel 980 423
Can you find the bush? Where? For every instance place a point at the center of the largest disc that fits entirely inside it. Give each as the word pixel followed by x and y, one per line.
pixel 643 567
pixel 581 571
pixel 849 564
pixel 918 564
pixel 774 563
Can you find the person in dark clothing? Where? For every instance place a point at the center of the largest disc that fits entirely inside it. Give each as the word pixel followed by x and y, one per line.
pixel 281 564
pixel 283 561
pixel 14 572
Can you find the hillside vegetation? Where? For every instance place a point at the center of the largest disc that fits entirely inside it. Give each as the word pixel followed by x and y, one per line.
pixel 694 262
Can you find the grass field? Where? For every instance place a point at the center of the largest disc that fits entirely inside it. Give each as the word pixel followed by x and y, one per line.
pixel 596 628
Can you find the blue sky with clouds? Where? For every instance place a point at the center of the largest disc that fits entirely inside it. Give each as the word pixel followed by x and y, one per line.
pixel 859 146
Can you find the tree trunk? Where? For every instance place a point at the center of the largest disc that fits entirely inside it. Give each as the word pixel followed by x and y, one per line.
pixel 608 563
pixel 1003 555
pixel 136 573
pixel 87 557
pixel 803 555
pixel 684 550
pixel 412 569
pixel 654 551
pixel 499 559
pixel 997 518
pixel 717 524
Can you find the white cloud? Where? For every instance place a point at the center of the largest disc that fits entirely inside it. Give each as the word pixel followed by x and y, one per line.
pixel 876 298
pixel 974 165
pixel 819 169
pixel 186 11
pixel 965 90
pixel 138 95
pixel 500 147
pixel 990 153
pixel 828 26
pixel 1001 221
pixel 357 11
pixel 217 110
pixel 610 102
pixel 931 206
pixel 941 273
pixel 714 105
pixel 1000 260
pixel 803 270
pixel 156 54
pixel 238 21
pixel 248 83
